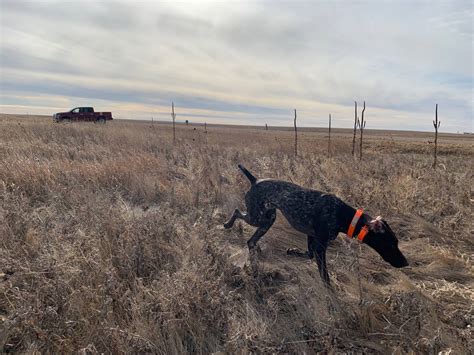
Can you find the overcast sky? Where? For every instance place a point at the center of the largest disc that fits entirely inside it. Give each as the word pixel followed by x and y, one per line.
pixel 244 62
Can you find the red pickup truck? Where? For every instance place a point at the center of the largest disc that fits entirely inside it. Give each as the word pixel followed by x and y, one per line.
pixel 83 114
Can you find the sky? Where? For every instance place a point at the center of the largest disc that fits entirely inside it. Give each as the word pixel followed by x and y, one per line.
pixel 242 62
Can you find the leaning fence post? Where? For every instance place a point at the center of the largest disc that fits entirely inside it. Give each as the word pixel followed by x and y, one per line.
pixel 355 129
pixel 173 115
pixel 296 137
pixel 436 124
pixel 362 126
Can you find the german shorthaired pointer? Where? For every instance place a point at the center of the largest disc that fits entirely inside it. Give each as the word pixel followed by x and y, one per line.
pixel 320 216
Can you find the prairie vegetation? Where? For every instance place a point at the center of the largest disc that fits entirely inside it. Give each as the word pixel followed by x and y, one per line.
pixel 111 241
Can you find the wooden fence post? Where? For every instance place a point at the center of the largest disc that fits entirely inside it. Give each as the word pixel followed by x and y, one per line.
pixel 355 128
pixel 436 124
pixel 362 126
pixel 329 137
pixel 173 115
pixel 296 137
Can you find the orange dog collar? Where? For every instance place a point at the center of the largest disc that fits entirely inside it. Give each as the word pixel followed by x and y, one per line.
pixel 363 232
pixel 354 221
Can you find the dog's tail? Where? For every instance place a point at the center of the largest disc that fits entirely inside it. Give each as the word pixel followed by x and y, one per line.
pixel 249 175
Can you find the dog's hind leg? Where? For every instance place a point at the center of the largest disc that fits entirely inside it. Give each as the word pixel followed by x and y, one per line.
pixel 237 214
pixel 255 217
pixel 264 225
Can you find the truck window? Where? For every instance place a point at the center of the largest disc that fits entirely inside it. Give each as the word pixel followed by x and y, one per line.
pixel 76 110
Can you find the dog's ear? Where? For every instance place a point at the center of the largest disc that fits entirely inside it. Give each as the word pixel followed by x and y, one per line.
pixel 377 224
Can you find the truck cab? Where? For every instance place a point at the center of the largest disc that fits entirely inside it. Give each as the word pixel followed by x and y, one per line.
pixel 83 113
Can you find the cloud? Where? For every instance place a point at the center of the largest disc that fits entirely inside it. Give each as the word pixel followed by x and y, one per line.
pixel 247 62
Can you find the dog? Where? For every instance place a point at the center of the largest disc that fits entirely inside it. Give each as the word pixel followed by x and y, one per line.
pixel 318 215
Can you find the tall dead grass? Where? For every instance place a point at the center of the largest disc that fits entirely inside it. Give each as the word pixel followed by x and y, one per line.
pixel 111 242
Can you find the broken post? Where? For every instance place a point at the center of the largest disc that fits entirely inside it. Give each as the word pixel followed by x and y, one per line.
pixel 436 124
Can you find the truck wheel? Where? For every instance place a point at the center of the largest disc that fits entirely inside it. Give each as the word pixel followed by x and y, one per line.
pixel 100 119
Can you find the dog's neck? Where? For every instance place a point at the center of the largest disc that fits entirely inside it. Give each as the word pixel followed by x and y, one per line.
pixel 346 215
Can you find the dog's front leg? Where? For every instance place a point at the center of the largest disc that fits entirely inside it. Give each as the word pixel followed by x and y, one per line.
pixel 318 249
pixel 323 270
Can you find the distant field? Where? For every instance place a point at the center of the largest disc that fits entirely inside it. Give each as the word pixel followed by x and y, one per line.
pixel 112 241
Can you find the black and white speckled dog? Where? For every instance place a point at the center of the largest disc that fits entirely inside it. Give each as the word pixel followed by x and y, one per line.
pixel 320 216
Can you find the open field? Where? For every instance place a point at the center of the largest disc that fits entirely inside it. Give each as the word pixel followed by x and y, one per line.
pixel 111 241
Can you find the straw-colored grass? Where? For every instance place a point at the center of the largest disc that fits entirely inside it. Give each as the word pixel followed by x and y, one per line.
pixel 111 241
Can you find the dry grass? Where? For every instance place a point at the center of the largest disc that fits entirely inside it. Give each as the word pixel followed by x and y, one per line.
pixel 111 242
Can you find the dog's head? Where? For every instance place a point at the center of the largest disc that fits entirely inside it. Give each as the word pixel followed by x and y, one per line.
pixel 382 239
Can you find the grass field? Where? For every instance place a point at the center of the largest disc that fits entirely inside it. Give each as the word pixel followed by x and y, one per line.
pixel 111 241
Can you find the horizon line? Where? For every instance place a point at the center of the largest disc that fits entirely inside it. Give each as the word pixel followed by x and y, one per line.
pixel 289 127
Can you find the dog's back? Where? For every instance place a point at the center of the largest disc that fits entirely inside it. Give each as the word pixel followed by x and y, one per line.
pixel 300 206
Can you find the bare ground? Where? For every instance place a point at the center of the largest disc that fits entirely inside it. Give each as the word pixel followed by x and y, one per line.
pixel 112 242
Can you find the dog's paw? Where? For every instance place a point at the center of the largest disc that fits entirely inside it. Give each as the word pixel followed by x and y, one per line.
pixel 296 252
pixel 227 225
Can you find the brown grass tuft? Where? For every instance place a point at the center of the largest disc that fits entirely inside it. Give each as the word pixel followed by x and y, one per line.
pixel 112 242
